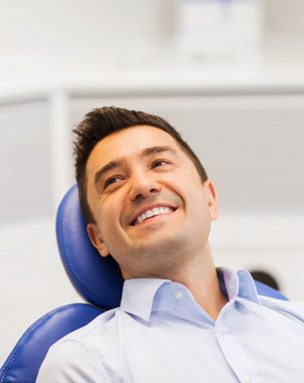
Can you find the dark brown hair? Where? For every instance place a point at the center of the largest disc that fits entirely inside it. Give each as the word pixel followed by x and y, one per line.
pixel 101 122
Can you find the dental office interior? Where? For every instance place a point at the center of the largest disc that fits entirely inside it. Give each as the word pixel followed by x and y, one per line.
pixel 228 74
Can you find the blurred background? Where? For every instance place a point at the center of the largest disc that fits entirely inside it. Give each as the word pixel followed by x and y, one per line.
pixel 228 74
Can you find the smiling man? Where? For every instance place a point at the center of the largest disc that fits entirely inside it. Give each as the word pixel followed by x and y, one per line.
pixel 149 204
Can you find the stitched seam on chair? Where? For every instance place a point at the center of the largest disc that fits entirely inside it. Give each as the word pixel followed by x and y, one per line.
pixel 27 335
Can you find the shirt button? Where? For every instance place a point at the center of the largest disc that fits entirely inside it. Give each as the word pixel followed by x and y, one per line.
pixel 222 331
pixel 179 295
pixel 246 379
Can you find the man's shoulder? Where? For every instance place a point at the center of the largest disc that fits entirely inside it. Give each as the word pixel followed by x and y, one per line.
pixel 291 308
pixel 75 354
pixel 99 326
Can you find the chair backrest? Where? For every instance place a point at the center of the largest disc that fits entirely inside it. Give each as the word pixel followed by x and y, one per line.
pixel 96 278
pixel 23 363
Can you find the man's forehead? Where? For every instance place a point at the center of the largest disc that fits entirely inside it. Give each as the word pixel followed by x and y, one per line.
pixel 135 139
pixel 130 132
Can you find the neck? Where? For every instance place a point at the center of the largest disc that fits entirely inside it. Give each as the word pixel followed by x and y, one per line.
pixel 200 277
pixel 198 274
pixel 207 293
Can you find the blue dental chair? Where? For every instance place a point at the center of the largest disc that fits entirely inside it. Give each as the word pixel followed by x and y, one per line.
pixel 97 279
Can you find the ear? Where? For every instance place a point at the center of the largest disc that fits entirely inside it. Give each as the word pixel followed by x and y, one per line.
pixel 212 199
pixel 96 239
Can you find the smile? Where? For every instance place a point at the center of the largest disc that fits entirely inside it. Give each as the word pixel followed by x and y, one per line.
pixel 160 210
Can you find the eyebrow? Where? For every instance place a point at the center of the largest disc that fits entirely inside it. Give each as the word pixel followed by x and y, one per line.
pixel 114 164
pixel 157 149
pixel 107 168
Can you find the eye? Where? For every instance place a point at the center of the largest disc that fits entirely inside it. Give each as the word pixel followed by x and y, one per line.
pixel 111 181
pixel 159 163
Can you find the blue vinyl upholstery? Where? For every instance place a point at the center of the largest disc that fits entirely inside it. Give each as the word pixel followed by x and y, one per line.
pixel 24 361
pixel 96 278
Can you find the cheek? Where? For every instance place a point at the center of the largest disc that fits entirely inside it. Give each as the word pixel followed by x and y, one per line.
pixel 109 218
pixel 199 201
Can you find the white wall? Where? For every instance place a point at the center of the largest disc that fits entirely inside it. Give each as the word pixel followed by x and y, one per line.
pixel 35 26
pixel 39 40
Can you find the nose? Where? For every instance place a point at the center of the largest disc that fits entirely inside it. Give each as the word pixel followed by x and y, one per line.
pixel 142 186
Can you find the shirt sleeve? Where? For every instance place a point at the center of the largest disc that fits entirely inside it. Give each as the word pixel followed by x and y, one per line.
pixel 70 362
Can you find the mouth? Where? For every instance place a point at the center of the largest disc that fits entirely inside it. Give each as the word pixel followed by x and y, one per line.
pixel 151 213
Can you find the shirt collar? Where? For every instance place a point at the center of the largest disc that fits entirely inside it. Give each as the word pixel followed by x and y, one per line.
pixel 141 296
pixel 138 295
pixel 237 283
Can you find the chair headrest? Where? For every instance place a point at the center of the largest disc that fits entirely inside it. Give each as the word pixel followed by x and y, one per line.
pixel 96 278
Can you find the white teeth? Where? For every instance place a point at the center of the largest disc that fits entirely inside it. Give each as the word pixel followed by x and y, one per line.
pixel 156 211
pixel 149 213
pixel 153 212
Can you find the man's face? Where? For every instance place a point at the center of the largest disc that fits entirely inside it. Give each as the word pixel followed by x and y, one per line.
pixel 152 210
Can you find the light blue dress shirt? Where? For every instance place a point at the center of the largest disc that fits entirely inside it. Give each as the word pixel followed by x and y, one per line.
pixel 160 334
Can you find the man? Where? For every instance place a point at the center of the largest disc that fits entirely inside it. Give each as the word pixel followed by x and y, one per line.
pixel 149 204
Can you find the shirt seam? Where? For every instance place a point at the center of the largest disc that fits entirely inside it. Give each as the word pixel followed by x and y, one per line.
pixel 280 310
pixel 291 316
pixel 96 362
